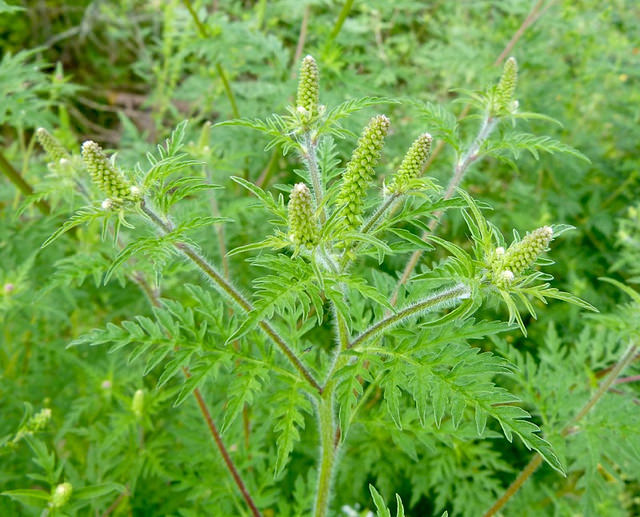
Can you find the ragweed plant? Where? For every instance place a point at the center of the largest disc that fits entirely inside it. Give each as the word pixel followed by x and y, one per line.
pixel 367 356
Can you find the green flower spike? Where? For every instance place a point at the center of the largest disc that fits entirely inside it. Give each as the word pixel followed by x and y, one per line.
pixel 303 230
pixel 360 170
pixel 411 166
pixel 54 149
pixel 106 176
pixel 308 87
pixel 520 256
pixel 504 102
pixel 61 495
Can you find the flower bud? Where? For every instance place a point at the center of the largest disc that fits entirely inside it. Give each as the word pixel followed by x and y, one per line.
pixel 521 255
pixel 504 102
pixel 61 495
pixel 137 403
pixel 506 277
pixel 360 170
pixel 303 229
pixel 54 149
pixel 40 420
pixel 412 164
pixel 308 86
pixel 104 174
pixel 107 204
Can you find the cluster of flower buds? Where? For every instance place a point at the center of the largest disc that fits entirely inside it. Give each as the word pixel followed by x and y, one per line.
pixel 61 495
pixel 411 166
pixel 508 264
pixel 303 229
pixel 360 170
pixel 504 102
pixel 307 101
pixel 105 175
pixel 35 424
pixel 52 146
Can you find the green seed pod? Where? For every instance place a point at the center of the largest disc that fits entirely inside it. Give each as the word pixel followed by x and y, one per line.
pixel 303 229
pixel 504 102
pixel 137 403
pixel 360 170
pixel 308 87
pixel 105 175
pixel 412 164
pixel 61 495
pixel 54 149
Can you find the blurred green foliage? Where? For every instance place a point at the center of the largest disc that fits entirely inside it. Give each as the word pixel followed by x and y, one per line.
pixel 126 73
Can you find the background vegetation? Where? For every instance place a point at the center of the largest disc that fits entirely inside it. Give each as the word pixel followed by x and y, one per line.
pixel 126 73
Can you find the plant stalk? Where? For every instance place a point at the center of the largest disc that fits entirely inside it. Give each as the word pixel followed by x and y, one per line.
pixel 327 453
pixel 344 12
pixel 223 451
pixel 536 12
pixel 454 294
pixel 14 177
pixel 225 286
pixel 154 300
pixel 314 172
pixel 204 33
pixel 536 461
pixel 489 123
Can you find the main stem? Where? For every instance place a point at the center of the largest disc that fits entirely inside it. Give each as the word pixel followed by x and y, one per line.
pixel 225 286
pixel 536 461
pixel 327 454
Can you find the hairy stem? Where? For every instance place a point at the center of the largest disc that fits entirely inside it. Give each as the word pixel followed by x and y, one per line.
pixel 462 165
pixel 226 287
pixel 536 461
pixel 314 172
pixel 327 453
pixel 459 292
pixel 536 12
pixel 223 451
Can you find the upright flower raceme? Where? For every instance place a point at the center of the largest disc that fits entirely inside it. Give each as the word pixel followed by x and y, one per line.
pixel 54 149
pixel 308 87
pixel 360 170
pixel 504 102
pixel 412 165
pixel 303 229
pixel 106 176
pixel 520 256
